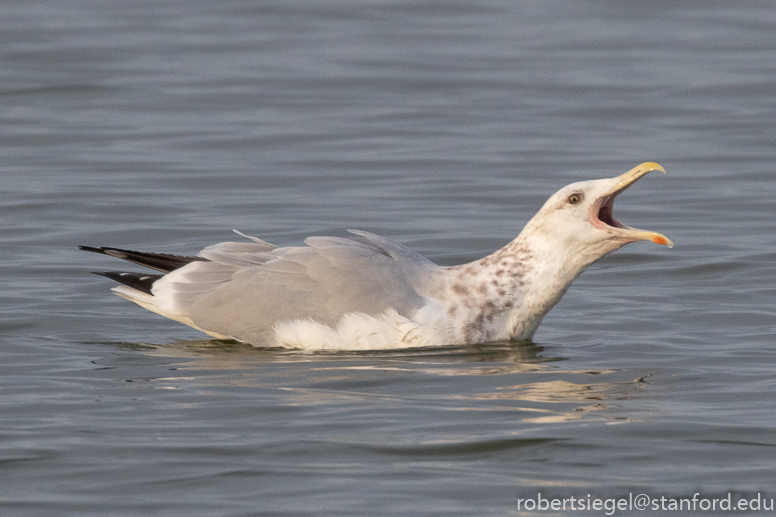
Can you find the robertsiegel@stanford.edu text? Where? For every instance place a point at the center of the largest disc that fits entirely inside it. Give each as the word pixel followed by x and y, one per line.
pixel 644 502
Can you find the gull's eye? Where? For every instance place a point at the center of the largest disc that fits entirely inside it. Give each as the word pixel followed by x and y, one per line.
pixel 575 198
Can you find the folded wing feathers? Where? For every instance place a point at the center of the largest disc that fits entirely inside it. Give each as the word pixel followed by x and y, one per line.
pixel 242 289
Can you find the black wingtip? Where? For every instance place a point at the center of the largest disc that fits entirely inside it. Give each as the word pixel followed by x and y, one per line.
pixel 90 248
pixel 140 281
pixel 163 262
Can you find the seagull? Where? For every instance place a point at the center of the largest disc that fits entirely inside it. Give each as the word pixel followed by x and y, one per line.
pixel 367 292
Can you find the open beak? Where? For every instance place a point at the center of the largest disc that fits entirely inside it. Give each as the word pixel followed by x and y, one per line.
pixel 602 210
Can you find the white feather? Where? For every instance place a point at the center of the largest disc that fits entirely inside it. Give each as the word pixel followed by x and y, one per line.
pixel 357 331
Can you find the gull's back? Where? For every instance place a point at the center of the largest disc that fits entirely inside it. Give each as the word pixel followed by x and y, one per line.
pixel 246 291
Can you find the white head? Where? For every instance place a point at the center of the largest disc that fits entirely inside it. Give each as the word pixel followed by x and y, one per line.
pixel 577 225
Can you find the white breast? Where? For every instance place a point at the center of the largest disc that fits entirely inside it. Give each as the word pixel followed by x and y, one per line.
pixel 358 331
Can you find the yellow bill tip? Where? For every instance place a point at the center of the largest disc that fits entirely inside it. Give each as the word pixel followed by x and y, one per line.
pixel 649 166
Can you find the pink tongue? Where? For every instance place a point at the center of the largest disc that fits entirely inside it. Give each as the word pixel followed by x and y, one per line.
pixel 606 217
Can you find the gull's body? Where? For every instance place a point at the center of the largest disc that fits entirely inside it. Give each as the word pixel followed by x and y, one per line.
pixel 371 293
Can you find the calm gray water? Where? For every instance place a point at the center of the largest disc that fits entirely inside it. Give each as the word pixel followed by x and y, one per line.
pixel 443 125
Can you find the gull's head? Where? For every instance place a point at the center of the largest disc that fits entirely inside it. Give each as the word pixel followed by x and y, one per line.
pixel 579 217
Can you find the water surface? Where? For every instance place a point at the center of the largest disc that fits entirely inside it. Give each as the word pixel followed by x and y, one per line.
pixel 444 126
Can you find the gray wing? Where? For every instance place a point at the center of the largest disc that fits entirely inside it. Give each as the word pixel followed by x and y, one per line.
pixel 245 288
